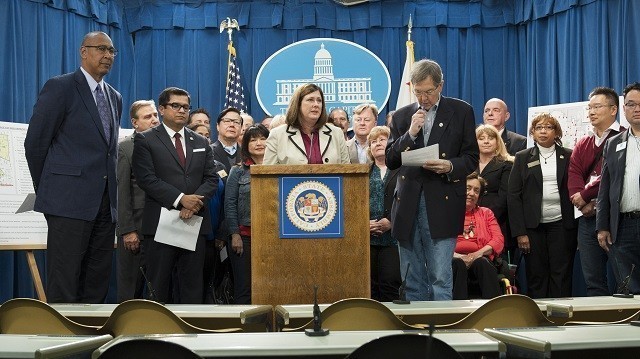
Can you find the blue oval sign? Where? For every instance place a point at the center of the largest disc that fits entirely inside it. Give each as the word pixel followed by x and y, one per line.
pixel 348 74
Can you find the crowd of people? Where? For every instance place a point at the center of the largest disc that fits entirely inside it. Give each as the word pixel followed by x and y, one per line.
pixel 442 223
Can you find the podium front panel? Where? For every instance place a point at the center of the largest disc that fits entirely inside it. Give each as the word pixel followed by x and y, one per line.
pixel 285 270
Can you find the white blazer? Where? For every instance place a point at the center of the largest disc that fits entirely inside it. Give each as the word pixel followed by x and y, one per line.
pixel 285 146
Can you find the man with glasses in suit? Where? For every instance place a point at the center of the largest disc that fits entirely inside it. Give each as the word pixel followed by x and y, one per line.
pixel 71 149
pixel 174 166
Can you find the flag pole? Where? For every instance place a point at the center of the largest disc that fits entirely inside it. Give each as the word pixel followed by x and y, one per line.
pixel 229 24
pixel 405 93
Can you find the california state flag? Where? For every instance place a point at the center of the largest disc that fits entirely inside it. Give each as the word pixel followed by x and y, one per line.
pixel 406 96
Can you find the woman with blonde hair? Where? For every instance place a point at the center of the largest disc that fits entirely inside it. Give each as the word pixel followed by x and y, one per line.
pixel 494 166
pixel 384 255
pixel 540 211
pixel 307 138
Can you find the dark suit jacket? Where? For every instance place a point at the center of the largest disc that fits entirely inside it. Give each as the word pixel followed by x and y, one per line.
pixel 454 130
pixel 69 157
pixel 611 180
pixel 525 190
pixel 160 175
pixel 496 173
pixel 225 158
pixel 514 142
pixel 130 196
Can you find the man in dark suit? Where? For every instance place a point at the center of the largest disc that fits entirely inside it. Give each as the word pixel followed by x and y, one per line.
pixel 71 150
pixel 174 166
pixel 428 211
pixel 225 149
pixel 497 114
pixel 618 204
pixel 144 116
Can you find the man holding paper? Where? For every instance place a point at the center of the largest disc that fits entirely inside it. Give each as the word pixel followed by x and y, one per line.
pixel 175 168
pixel 429 204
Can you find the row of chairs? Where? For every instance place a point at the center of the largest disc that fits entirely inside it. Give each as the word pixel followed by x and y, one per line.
pixel 133 317
pixel 30 316
pixel 506 311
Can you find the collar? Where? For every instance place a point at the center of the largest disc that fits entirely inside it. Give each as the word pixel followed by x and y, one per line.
pixel 172 132
pixel 614 126
pixel 92 82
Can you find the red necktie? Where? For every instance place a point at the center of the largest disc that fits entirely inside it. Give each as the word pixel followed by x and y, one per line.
pixel 183 160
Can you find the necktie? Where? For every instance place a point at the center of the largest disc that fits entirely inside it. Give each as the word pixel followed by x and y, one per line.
pixel 183 161
pixel 428 125
pixel 104 111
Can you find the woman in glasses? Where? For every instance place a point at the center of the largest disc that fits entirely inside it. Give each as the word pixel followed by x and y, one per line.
pixel 540 211
pixel 307 138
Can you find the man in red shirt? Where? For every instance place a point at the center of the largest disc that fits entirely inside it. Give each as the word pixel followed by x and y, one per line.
pixel 585 168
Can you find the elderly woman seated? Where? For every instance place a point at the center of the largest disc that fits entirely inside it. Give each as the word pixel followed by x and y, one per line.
pixel 477 245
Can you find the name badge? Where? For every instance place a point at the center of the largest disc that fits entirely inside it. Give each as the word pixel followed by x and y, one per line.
pixel 198 150
pixel 621 146
pixel 533 164
pixel 222 173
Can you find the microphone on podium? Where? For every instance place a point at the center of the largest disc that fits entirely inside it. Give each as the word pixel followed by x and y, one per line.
pixel 402 291
pixel 317 330
pixel 152 293
pixel 623 289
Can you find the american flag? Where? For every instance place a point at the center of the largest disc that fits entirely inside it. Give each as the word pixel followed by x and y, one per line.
pixel 234 96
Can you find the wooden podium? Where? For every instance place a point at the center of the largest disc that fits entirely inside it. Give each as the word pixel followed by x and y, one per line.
pixel 284 271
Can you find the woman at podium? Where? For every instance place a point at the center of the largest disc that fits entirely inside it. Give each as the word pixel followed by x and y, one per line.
pixel 237 208
pixel 307 138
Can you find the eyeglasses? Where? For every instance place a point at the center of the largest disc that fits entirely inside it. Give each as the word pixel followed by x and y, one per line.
pixel 104 49
pixel 231 121
pixel 597 107
pixel 544 127
pixel 177 106
pixel 425 93
pixel 631 105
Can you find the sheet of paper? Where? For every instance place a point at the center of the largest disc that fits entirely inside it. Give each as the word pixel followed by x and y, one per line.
pixel 223 254
pixel 175 231
pixel 28 203
pixel 576 212
pixel 419 156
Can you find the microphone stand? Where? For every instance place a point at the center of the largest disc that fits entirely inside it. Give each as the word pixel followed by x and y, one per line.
pixel 317 330
pixel 152 293
pixel 402 291
pixel 624 286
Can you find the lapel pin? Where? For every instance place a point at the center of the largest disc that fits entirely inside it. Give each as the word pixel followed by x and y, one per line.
pixel 191 138
pixel 440 124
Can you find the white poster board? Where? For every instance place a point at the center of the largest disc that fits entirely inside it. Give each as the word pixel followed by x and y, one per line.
pixel 573 118
pixel 26 230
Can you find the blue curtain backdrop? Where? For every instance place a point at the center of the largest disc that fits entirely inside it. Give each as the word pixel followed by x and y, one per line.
pixel 528 52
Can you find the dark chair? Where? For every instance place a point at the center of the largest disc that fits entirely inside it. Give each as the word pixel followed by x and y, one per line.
pixel 31 316
pixel 139 316
pixel 358 314
pixel 505 311
pixel 146 349
pixel 406 346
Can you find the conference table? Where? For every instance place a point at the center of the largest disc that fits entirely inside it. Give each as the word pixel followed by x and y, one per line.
pixel 584 342
pixel 337 344
pixel 251 318
pixel 49 346
pixel 590 309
